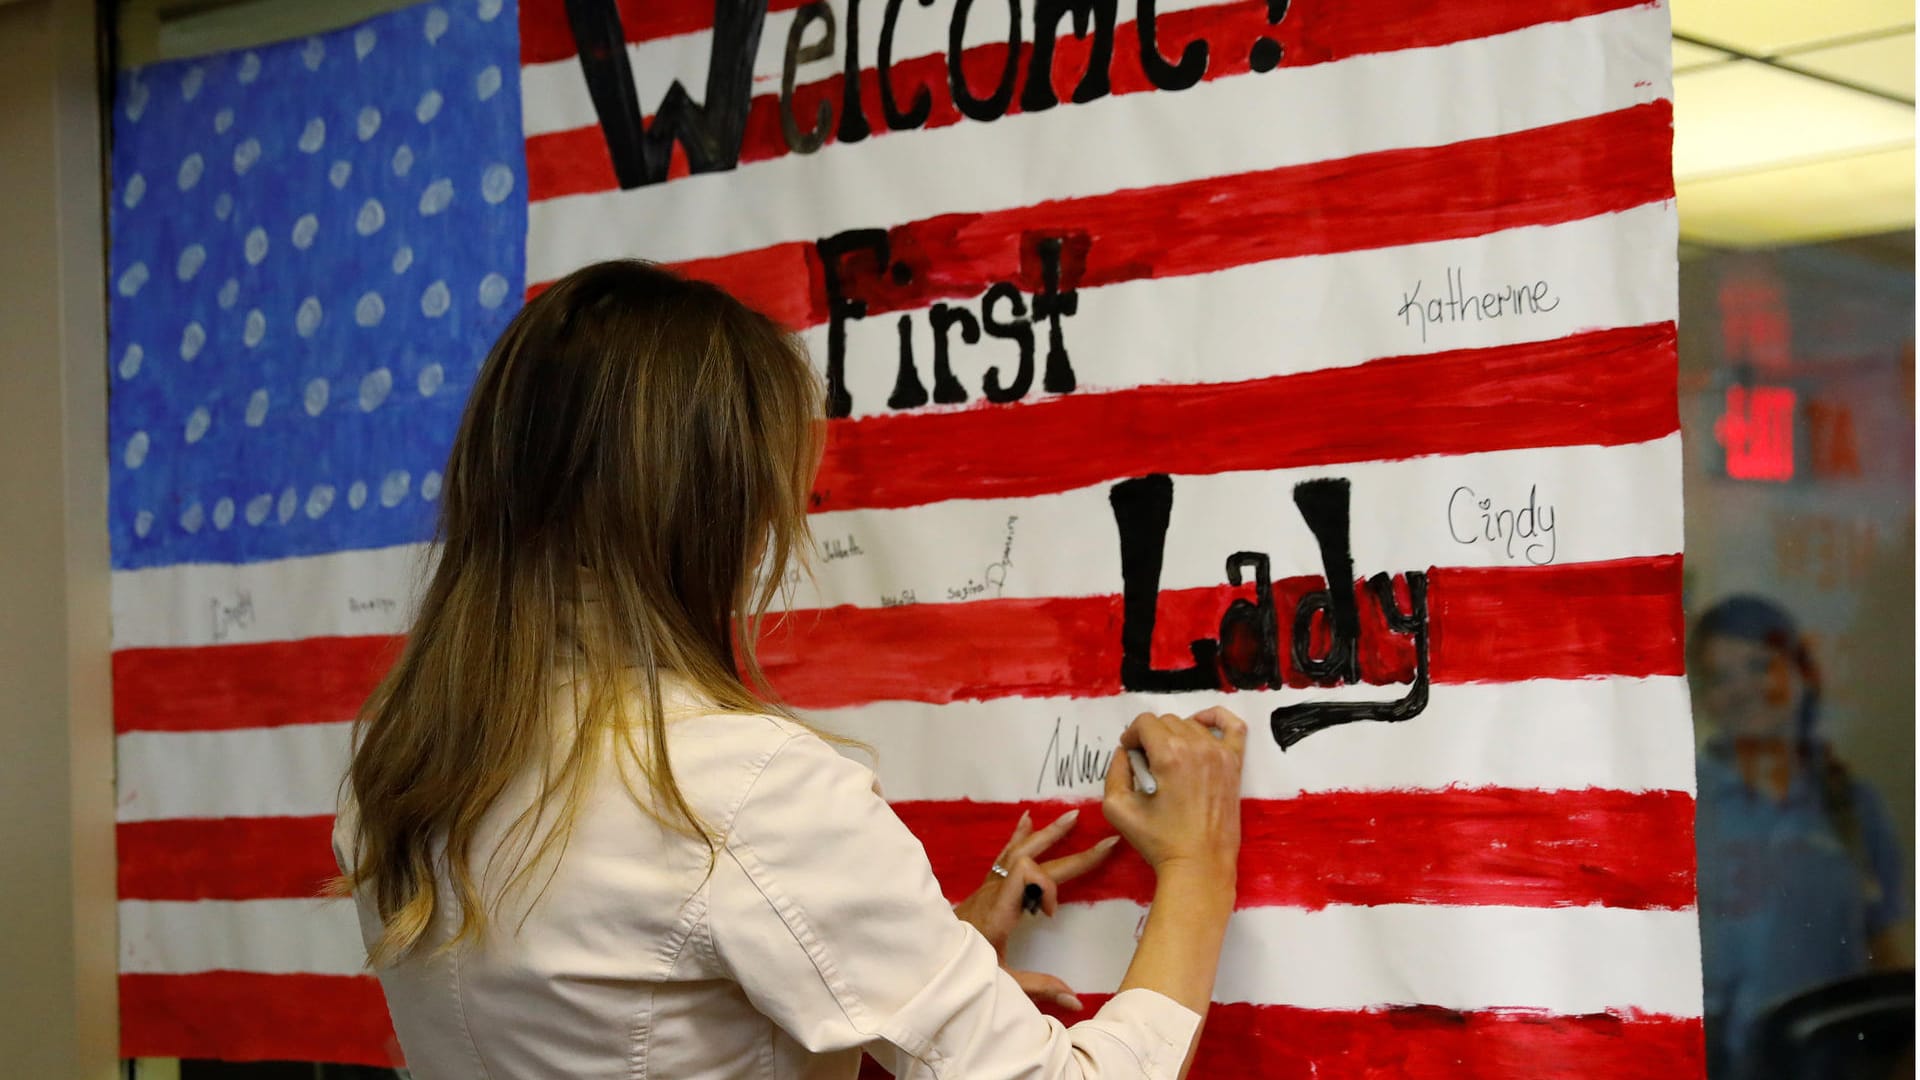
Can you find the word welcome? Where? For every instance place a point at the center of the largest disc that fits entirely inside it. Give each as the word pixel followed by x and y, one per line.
pixel 710 132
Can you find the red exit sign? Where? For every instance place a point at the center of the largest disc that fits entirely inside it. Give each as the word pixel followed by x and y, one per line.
pixel 1756 430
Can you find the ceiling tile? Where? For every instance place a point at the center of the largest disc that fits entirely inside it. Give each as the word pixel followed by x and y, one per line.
pixel 1745 115
pixel 1826 200
pixel 1764 27
pixel 1884 64
pixel 1688 55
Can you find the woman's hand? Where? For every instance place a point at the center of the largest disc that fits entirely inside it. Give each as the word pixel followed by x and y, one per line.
pixel 995 907
pixel 1193 820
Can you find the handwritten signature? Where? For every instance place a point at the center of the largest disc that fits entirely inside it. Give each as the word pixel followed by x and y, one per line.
pixel 833 549
pixel 229 617
pixel 1459 306
pixel 997 572
pixel 1072 764
pixel 1473 520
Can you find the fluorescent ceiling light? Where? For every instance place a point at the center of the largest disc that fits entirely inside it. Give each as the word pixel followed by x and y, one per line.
pixel 1765 27
pixel 1744 116
pixel 1824 200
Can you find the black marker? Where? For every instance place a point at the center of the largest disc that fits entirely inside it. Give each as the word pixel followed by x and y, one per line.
pixel 1030 898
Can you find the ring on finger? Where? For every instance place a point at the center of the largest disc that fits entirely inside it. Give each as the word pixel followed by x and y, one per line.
pixel 999 870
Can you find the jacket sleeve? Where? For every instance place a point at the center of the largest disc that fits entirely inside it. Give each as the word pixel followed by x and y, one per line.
pixel 823 907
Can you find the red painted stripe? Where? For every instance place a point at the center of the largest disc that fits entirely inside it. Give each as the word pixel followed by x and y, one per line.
pixel 575 161
pixel 1579 620
pixel 238 1016
pixel 544 36
pixel 225 858
pixel 1277 1042
pixel 1486 846
pixel 318 680
pixel 1596 388
pixel 1557 622
pixel 1280 1043
pixel 1462 847
pixel 1542 176
pixel 248 1016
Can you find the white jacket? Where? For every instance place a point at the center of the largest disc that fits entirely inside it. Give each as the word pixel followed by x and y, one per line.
pixel 819 933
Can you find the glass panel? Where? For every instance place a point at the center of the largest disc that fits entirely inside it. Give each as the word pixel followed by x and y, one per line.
pixel 1797 406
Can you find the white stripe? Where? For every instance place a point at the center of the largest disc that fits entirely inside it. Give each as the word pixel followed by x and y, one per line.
pixel 292 770
pixel 1531 78
pixel 554 94
pixel 1564 960
pixel 346 593
pixel 181 937
pixel 1606 502
pixel 1291 315
pixel 1616 733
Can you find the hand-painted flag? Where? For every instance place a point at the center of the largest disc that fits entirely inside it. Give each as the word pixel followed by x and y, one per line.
pixel 1425 250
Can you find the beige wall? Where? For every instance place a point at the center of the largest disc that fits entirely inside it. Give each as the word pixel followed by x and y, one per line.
pixel 57 951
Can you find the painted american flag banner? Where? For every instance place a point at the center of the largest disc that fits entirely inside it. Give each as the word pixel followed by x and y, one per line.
pixel 1316 356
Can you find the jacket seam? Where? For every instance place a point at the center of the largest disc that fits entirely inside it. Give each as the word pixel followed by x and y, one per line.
pixel 1145 1066
pixel 692 920
pixel 460 1004
pixel 641 1037
pixel 815 949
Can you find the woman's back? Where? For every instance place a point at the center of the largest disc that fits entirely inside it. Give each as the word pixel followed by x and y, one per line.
pixel 582 982
pixel 819 932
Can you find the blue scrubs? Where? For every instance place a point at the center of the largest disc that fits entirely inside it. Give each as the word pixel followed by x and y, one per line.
pixel 1784 907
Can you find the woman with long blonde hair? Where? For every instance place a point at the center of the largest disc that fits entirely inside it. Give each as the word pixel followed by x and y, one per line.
pixel 583 839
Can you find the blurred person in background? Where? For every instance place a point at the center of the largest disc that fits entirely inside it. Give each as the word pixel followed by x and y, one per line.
pixel 1800 872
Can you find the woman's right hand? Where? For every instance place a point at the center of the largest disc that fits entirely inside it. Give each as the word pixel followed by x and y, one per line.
pixel 1193 819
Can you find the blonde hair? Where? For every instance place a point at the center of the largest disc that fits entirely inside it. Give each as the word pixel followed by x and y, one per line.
pixel 633 436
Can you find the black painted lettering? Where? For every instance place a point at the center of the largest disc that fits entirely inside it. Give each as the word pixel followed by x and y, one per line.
pixel 908 391
pixel 710 133
pixel 853 118
pixel 989 108
pixel 915 114
pixel 1141 510
pixel 1038 95
pixel 1162 74
pixel 1325 506
pixel 1019 330
pixel 1249 631
pixel 798 52
pixel 947 389
pixel 842 307
pixel 1052 304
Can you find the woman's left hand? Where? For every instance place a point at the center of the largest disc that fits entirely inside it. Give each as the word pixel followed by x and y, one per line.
pixel 995 907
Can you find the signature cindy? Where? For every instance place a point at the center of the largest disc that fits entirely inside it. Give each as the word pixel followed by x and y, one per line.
pixel 1472 519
